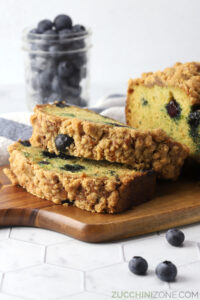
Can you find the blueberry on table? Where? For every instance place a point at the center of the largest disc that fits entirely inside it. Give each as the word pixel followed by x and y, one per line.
pixel 138 265
pixel 44 25
pixel 175 237
pixel 62 141
pixel 62 22
pixel 166 271
pixel 173 109
pixel 65 69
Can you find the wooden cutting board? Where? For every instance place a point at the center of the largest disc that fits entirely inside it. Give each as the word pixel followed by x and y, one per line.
pixel 175 204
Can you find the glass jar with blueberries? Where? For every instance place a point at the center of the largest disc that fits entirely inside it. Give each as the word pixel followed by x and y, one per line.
pixel 57 62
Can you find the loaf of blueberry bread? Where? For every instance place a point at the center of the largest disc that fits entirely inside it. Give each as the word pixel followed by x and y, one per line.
pixel 80 132
pixel 169 100
pixel 90 185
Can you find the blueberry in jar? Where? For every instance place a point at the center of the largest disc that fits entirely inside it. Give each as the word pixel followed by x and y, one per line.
pixel 173 109
pixel 44 79
pixel 33 34
pixel 175 237
pixel 50 35
pixel 44 25
pixel 79 60
pixel 62 141
pixel 54 49
pixel 138 265
pixel 78 29
pixel 65 69
pixel 62 22
pixel 166 271
pixel 74 79
pixel 56 85
pixel 65 33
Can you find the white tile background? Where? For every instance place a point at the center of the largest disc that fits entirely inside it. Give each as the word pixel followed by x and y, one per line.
pixel 43 265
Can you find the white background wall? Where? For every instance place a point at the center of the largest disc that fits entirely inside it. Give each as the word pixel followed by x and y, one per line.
pixel 129 36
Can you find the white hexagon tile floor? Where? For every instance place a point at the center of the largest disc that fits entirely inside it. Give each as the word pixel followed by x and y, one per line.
pixel 37 264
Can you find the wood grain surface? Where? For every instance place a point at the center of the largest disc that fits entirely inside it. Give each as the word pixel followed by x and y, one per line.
pixel 175 204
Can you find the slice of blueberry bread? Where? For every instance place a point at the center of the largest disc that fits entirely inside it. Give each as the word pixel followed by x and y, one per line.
pixel 90 185
pixel 83 133
pixel 169 100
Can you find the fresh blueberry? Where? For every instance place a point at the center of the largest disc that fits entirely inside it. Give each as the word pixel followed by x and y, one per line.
pixel 175 237
pixel 50 34
pixel 56 85
pixel 69 91
pixel 39 47
pixel 65 69
pixel 166 271
pixel 75 45
pixel 62 141
pixel 173 108
pixel 33 34
pixel 79 60
pixel 62 22
pixel 138 265
pixel 39 63
pixel 34 80
pixel 54 97
pixel 65 33
pixel 44 25
pixel 54 50
pixel 44 80
pixel 74 79
pixel 78 28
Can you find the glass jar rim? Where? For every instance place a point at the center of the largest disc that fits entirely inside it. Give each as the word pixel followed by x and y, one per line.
pixel 36 39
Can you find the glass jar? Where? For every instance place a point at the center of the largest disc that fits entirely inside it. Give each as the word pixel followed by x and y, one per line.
pixel 57 67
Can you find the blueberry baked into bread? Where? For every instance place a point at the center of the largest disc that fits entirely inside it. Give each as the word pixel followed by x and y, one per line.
pixel 80 132
pixel 169 100
pixel 63 179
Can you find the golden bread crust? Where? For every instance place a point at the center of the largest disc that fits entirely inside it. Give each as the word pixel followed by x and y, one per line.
pixel 185 76
pixel 140 149
pixel 95 194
